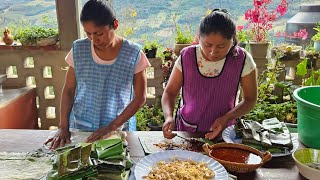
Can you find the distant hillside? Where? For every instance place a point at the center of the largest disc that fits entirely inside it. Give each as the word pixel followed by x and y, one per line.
pixel 154 17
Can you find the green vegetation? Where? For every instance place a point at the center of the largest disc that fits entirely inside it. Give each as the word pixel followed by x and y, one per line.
pixel 30 35
pixel 271 104
pixel 149 114
pixel 149 45
pixel 313 79
pixel 183 37
pixel 316 37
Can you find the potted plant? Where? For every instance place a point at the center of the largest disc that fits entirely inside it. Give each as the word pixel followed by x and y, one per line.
pixel 150 48
pixel 260 21
pixel 150 117
pixel 313 58
pixel 290 51
pixel 183 38
pixel 242 36
pixel 37 36
pixel 316 38
pixel 167 64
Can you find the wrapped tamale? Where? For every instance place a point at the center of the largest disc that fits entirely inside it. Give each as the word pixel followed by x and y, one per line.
pixel 271 135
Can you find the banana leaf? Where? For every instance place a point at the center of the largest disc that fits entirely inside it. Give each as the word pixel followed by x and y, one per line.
pixel 112 152
pixel 107 143
pixel 71 159
pixel 83 173
pixel 271 135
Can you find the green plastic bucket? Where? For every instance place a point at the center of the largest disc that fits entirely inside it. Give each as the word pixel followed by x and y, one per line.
pixel 308 101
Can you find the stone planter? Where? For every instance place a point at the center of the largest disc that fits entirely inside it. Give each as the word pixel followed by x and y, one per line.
pixel 178 47
pixel 48 41
pixel 259 49
pixel 290 54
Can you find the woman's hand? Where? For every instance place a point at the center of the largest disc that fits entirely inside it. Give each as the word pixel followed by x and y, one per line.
pixel 101 133
pixel 61 138
pixel 217 127
pixel 168 127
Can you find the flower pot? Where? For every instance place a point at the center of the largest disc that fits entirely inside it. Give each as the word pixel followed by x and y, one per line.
pixel 316 46
pixel 151 53
pixel 154 127
pixel 259 49
pixel 48 41
pixel 178 47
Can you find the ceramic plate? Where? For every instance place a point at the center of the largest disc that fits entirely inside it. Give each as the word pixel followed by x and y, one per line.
pixel 229 136
pixel 144 165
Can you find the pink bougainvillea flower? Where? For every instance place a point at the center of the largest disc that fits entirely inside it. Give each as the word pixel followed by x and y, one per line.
pixel 240 28
pixel 282 9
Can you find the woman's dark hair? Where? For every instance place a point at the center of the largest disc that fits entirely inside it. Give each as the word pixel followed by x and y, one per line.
pixel 99 12
pixel 219 21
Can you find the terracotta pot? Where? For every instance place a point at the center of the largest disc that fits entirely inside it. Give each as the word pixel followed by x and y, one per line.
pixel 259 49
pixel 7 38
pixel 178 47
pixel 234 166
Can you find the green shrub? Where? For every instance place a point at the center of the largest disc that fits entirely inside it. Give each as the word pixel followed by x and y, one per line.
pixel 31 35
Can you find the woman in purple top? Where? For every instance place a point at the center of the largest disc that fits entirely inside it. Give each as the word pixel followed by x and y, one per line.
pixel 209 76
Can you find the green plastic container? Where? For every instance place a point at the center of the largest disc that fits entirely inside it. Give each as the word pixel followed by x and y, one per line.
pixel 308 101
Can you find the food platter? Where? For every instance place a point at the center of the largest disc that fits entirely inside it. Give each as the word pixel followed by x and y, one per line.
pixel 145 165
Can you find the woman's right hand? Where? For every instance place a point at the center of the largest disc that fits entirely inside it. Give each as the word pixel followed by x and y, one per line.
pixel 168 127
pixel 61 138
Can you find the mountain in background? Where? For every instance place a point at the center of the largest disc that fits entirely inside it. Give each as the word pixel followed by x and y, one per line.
pixel 154 17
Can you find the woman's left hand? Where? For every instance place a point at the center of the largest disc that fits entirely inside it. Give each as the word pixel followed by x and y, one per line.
pixel 217 127
pixel 101 133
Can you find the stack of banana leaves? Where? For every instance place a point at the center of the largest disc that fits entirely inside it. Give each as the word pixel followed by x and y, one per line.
pixel 271 135
pixel 72 162
pixel 112 159
pixel 104 159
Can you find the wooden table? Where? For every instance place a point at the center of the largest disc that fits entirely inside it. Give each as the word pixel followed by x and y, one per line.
pixel 31 140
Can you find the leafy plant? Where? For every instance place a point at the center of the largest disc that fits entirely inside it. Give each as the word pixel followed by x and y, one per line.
pixel 242 35
pixel 182 36
pixel 167 64
pixel 314 77
pixel 31 35
pixel 150 114
pixel 316 37
pixel 269 104
pixel 150 45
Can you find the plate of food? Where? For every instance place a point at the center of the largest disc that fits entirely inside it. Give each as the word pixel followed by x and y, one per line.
pixel 179 163
pixel 153 144
pixel 270 135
